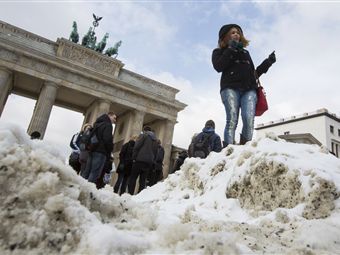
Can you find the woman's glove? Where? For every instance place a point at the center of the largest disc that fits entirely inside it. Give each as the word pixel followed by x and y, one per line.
pixel 235 45
pixel 272 57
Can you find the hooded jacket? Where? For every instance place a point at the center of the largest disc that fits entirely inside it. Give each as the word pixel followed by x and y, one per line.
pixel 103 126
pixel 214 140
pixel 237 68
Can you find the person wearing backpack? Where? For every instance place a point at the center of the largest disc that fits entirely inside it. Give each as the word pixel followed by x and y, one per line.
pixel 205 142
pixel 102 149
pixel 144 155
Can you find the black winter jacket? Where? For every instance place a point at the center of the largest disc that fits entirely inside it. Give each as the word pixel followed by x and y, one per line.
pixel 125 158
pixel 237 68
pixel 103 126
pixel 145 149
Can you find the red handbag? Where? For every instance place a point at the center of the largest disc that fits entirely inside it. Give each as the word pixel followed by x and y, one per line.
pixel 261 105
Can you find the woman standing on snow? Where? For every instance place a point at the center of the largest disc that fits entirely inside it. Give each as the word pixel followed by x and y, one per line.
pixel 238 82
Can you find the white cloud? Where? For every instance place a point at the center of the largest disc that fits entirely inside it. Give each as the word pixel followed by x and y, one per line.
pixel 202 105
pixel 305 76
pixel 304 35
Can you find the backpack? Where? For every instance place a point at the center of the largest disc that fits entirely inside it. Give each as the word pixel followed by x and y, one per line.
pixel 89 140
pixel 200 146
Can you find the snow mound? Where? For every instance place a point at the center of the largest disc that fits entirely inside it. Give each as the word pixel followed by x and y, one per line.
pixel 45 208
pixel 267 197
pixel 263 196
pixel 282 179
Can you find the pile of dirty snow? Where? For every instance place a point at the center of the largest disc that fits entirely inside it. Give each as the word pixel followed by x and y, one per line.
pixel 268 197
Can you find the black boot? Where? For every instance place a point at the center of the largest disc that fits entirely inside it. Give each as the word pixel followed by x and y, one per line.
pixel 242 140
pixel 224 144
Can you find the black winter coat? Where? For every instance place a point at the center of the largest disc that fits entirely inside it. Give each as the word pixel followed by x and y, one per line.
pixel 237 68
pixel 103 126
pixel 125 158
pixel 145 149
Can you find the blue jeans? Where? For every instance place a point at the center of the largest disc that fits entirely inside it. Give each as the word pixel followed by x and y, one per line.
pixel 233 100
pixel 94 166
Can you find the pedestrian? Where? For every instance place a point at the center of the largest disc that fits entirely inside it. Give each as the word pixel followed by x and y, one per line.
pixel 156 174
pixel 99 154
pixel 84 153
pixel 74 157
pixel 205 142
pixel 144 154
pixel 238 81
pixel 180 160
pixel 125 165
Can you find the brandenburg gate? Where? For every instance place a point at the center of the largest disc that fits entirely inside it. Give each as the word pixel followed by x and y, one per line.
pixel 71 76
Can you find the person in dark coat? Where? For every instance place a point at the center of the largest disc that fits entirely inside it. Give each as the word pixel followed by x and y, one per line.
pixel 180 160
pixel 156 174
pixel 125 165
pixel 102 152
pixel 238 81
pixel 84 153
pixel 144 154
pixel 73 160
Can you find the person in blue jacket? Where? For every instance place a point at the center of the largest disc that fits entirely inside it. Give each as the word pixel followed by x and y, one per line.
pixel 205 142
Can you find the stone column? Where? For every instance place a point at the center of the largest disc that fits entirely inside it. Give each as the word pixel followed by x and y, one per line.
pixel 43 108
pixel 134 123
pixel 103 107
pixel 5 87
pixel 98 108
pixel 165 135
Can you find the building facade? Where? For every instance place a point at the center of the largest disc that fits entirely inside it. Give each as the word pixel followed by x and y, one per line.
pixel 71 76
pixel 320 127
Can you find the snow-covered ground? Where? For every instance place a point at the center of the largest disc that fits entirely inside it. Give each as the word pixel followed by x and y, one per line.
pixel 266 197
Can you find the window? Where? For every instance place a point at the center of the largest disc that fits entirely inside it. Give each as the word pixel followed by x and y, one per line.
pixel 338 132
pixel 331 128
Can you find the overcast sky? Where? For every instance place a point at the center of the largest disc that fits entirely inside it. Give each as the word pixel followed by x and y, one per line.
pixel 172 41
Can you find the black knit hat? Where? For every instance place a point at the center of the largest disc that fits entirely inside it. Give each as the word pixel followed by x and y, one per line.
pixel 226 28
pixel 210 123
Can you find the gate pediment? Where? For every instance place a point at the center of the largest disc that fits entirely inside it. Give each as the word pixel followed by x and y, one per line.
pixel 88 58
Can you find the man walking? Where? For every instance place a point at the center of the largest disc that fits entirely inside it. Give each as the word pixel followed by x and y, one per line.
pixel 144 154
pixel 98 155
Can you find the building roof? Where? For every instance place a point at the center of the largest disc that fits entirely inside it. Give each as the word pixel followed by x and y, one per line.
pixel 318 113
pixel 301 138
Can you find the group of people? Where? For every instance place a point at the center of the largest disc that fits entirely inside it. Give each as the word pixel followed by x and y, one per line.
pixel 92 160
pixel 142 156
